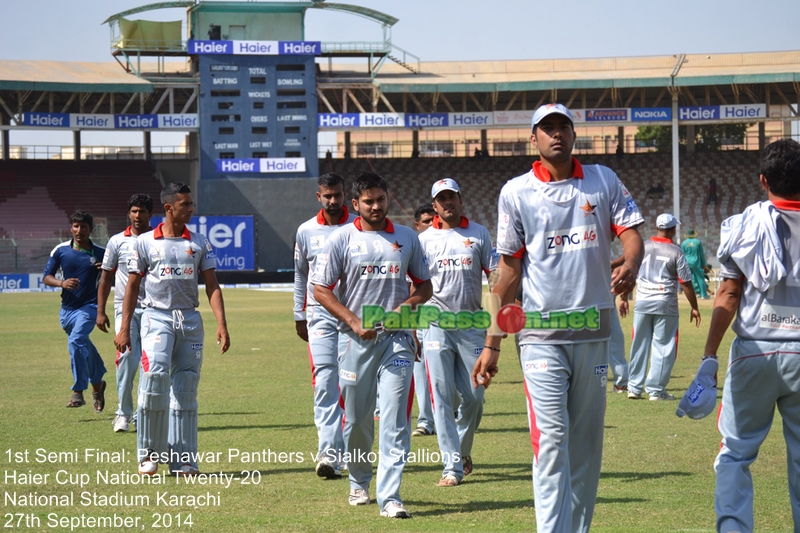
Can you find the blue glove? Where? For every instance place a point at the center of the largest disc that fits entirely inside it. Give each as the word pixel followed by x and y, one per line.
pixel 701 396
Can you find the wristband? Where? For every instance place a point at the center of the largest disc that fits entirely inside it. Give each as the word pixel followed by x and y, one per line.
pixel 492 349
pixel 708 357
pixel 61 284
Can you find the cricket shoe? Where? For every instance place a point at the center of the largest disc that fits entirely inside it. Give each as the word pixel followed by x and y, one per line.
pixel 328 470
pixel 395 510
pixel 662 397
pixel 634 395
pixel 358 497
pixel 122 423
pixel 422 431
pixel 620 390
pixel 186 470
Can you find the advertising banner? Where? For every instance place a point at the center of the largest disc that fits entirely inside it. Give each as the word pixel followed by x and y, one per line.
pixel 232 236
pixel 180 122
pixel 260 48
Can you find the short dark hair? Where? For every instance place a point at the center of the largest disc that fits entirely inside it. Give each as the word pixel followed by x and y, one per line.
pixel 171 191
pixel 141 200
pixel 366 181
pixel 780 164
pixel 81 216
pixel 330 180
pixel 425 208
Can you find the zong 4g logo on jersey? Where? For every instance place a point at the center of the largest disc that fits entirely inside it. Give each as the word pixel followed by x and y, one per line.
pixel 379 269
pixel 572 239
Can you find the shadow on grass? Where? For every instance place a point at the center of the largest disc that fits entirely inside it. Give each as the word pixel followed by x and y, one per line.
pixel 233 414
pixel 439 508
pixel 256 426
pixel 519 429
pixel 516 413
pixel 639 476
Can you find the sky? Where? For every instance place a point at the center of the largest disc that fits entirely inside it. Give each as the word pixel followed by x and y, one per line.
pixel 449 30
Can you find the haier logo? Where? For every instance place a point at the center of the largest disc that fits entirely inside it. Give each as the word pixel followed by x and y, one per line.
pixel 652 114
pixel 48 120
pixel 742 111
pixel 231 239
pixel 470 119
pixel 188 120
pixel 426 120
pixel 300 48
pixel 700 112
pixel 210 47
pixel 135 121
pixel 338 120
pixel 237 165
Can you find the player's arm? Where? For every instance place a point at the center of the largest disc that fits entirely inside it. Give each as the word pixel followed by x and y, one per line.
pixel 623 278
pixel 123 338
pixel 510 270
pixel 214 293
pixel 688 291
pixel 726 303
pixel 49 279
pixel 103 290
pixel 324 295
pixel 300 289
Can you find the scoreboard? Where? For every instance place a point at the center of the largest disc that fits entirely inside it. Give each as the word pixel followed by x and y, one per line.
pixel 258 109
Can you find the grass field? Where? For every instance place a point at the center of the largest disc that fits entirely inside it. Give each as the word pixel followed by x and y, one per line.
pixel 657 471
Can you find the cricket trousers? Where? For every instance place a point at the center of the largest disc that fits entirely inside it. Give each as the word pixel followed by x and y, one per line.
pixel 128 362
pixel 655 337
pixel 87 365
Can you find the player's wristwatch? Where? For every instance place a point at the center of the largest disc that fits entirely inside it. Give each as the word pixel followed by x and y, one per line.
pixel 708 357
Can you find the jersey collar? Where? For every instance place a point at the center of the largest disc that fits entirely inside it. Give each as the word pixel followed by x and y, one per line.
pixel 321 217
pixel 787 205
pixel 543 175
pixel 128 232
pixel 661 239
pixel 388 229
pixel 437 222
pixel 158 233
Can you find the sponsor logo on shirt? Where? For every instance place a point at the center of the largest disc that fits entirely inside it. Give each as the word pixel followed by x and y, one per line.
pixel 457 262
pixel 779 317
pixel 535 366
pixel 379 269
pixel 478 351
pixel 630 206
pixel 432 345
pixel 358 248
pixel 571 239
pixel 197 346
pixel 601 370
pixel 179 271
pixel 347 376
pixel 402 362
pixel 317 241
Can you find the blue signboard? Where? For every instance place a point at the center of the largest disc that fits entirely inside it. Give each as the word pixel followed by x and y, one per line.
pixel 232 236
pixel 651 114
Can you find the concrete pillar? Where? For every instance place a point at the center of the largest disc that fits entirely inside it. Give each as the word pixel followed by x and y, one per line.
pixel 621 137
pixel 690 134
pixel 484 143
pixel 347 154
pixel 76 144
pixel 762 136
pixel 148 146
pixel 414 142
pixel 6 145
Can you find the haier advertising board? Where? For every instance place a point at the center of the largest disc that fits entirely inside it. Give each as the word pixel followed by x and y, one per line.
pixel 233 238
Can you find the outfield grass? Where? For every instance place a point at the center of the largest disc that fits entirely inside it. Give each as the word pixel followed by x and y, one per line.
pixel 657 472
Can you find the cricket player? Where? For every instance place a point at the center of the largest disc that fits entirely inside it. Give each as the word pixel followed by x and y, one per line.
pixel 79 262
pixel 370 259
pixel 760 292
pixel 696 257
pixel 458 253
pixel 115 265
pixel 655 313
pixel 423 216
pixel 172 260
pixel 316 326
pixel 554 232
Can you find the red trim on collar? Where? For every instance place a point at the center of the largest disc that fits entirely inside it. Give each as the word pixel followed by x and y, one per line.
pixel 786 205
pixel 437 222
pixel 388 229
pixel 321 217
pixel 158 233
pixel 661 239
pixel 543 175
pixel 128 232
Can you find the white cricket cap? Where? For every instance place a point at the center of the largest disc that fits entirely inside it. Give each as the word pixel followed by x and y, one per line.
pixel 701 397
pixel 666 221
pixel 446 184
pixel 549 109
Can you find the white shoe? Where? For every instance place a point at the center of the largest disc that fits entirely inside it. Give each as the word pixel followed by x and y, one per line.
pixel 634 395
pixel 358 497
pixel 121 423
pixel 395 510
pixel 662 396
pixel 328 470
pixel 186 470
pixel 149 465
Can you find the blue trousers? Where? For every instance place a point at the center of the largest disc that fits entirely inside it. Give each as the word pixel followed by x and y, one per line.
pixel 87 365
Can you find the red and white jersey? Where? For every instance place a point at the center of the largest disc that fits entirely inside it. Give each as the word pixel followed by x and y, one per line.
pixel 663 267
pixel 371 266
pixel 116 260
pixel 457 259
pixel 171 267
pixel 774 314
pixel 312 235
pixel 562 231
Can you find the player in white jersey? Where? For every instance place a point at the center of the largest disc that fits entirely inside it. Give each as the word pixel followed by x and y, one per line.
pixel 655 313
pixel 172 260
pixel 370 259
pixel 423 216
pixel 760 253
pixel 458 252
pixel 316 326
pixel 554 232
pixel 115 265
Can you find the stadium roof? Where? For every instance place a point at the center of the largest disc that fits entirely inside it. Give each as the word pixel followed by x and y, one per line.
pixel 63 76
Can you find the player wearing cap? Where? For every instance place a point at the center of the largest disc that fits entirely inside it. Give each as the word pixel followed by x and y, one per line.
pixel 172 260
pixel 316 326
pixel 655 313
pixel 370 259
pixel 458 252
pixel 79 262
pixel 760 253
pixel 115 265
pixel 696 257
pixel 554 233
pixel 423 216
